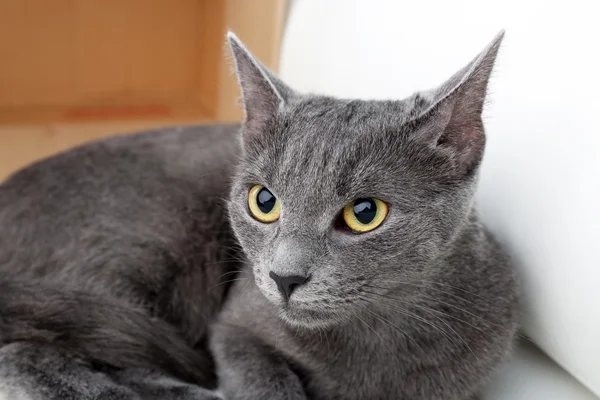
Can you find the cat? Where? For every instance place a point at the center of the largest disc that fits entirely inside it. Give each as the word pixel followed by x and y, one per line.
pixel 326 249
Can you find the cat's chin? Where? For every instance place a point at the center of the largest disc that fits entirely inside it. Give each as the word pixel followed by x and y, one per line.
pixel 308 319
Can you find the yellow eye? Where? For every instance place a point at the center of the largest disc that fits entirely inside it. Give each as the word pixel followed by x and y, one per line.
pixel 364 215
pixel 263 204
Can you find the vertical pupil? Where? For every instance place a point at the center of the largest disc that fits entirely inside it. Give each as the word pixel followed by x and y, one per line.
pixel 365 210
pixel 265 201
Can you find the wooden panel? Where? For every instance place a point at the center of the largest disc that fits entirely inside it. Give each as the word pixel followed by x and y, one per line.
pixel 259 24
pixel 137 48
pixel 92 113
pixel 210 57
pixel 82 60
pixel 66 59
pixel 21 145
pixel 36 52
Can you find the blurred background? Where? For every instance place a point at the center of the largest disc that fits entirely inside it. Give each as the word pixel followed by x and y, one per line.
pixel 76 70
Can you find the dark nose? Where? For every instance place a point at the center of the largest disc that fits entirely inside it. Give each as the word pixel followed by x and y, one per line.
pixel 287 284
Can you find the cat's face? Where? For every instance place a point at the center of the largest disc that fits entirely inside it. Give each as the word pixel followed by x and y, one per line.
pixel 407 163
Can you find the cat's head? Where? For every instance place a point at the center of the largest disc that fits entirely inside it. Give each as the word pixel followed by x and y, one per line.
pixel 337 201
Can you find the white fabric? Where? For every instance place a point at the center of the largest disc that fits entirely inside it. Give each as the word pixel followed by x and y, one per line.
pixel 530 375
pixel 540 183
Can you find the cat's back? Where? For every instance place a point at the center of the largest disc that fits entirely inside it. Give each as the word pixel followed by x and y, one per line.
pixel 130 213
pixel 178 152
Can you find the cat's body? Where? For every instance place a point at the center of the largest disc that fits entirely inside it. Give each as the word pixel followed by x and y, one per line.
pixel 424 306
pixel 124 223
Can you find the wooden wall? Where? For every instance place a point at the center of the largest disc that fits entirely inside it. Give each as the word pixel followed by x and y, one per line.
pixel 86 59
pixel 76 70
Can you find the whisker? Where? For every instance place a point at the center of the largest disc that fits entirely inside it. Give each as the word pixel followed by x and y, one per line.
pixel 378 335
pixel 328 345
pixel 430 312
pixel 401 331
pixel 420 283
pixel 520 336
pixel 458 288
pixel 465 311
pixel 231 280
pixel 438 300
pixel 320 337
pixel 425 321
pixel 247 283
pixel 230 272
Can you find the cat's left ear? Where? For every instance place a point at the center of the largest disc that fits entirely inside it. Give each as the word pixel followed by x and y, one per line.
pixel 453 124
pixel 262 92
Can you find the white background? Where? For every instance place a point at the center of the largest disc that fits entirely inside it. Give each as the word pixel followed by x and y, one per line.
pixel 540 182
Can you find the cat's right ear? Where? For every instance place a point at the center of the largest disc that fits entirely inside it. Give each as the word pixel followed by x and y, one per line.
pixel 262 92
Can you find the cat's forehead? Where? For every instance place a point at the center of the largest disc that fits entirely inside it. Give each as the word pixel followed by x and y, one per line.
pixel 337 148
pixel 349 117
pixel 317 127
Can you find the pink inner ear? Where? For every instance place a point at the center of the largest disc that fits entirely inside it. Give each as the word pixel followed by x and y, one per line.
pixel 458 112
pixel 459 134
pixel 465 139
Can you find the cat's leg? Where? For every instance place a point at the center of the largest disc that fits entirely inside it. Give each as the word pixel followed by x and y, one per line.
pixel 248 369
pixel 32 371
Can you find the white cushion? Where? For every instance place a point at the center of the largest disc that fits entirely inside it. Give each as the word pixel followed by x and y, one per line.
pixel 531 375
pixel 540 182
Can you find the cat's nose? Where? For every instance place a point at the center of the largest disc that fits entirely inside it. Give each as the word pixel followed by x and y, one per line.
pixel 287 284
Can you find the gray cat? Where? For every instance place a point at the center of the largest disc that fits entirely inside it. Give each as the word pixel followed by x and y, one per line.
pixel 347 263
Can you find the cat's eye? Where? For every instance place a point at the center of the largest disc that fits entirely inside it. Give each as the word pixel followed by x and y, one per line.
pixel 263 204
pixel 364 215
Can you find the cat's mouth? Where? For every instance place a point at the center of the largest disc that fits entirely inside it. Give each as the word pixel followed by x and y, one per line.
pixel 307 318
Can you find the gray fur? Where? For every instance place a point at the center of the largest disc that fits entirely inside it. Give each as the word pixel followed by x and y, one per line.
pixel 61 375
pixel 423 307
pixel 120 250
